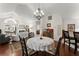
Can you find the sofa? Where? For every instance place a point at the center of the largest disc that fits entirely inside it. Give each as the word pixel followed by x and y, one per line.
pixel 4 39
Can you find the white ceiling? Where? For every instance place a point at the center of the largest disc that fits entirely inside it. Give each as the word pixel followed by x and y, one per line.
pixel 66 10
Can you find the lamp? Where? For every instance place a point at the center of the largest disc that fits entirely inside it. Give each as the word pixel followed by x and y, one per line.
pixel 38 14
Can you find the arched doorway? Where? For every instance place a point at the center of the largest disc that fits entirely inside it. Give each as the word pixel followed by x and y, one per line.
pixel 10 25
pixel 11 28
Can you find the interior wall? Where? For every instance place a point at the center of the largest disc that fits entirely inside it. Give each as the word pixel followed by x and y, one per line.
pixel 56 24
pixel 71 21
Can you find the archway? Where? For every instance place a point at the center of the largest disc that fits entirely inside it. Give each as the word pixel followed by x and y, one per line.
pixel 9 25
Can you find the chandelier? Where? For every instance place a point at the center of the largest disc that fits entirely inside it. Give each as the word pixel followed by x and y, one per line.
pixel 38 14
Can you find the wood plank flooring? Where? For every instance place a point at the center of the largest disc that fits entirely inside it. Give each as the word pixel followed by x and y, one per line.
pixel 9 50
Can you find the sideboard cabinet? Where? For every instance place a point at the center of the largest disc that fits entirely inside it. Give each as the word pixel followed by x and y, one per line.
pixel 48 33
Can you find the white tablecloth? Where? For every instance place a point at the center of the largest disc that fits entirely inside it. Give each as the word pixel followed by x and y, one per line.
pixel 37 44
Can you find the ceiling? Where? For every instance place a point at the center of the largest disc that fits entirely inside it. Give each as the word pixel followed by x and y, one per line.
pixel 25 10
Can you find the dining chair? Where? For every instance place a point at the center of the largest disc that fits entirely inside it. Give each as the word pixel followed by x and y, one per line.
pixel 56 50
pixel 24 47
pixel 25 50
pixel 42 53
pixel 58 47
pixel 68 39
pixel 31 34
pixel 29 52
pixel 76 36
pixel 65 36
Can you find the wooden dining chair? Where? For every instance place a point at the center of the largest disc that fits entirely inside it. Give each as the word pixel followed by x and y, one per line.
pixel 76 36
pixel 24 47
pixel 65 36
pixel 25 50
pixel 56 51
pixel 68 39
pixel 58 47
pixel 31 34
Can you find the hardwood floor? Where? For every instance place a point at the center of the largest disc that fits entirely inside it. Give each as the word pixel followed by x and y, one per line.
pixel 10 50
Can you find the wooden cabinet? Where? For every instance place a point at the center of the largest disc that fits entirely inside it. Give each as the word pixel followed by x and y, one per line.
pixel 49 33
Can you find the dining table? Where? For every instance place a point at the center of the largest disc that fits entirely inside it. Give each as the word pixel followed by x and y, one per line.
pixel 39 43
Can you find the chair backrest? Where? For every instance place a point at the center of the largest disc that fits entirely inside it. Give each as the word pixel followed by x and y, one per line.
pixel 71 34
pixel 76 35
pixel 58 47
pixel 31 34
pixel 0 31
pixel 24 47
pixel 66 34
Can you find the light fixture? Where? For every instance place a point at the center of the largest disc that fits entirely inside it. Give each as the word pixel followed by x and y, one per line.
pixel 38 14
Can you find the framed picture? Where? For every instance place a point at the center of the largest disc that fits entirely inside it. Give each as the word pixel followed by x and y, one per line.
pixel 38 32
pixel 49 25
pixel 49 17
pixel 71 27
